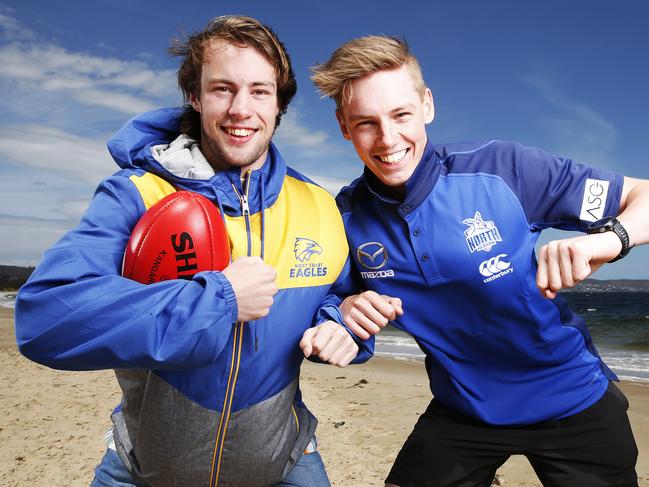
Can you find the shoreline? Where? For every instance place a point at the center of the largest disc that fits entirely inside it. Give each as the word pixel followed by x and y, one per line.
pixel 54 422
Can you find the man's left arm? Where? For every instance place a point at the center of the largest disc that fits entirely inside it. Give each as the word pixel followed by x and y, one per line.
pixel 566 262
pixel 329 339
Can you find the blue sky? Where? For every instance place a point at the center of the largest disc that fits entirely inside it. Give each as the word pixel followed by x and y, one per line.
pixel 570 77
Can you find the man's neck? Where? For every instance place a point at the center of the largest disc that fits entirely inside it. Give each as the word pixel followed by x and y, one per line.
pixel 217 163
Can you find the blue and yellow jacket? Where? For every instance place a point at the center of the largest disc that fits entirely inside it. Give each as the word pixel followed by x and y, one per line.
pixel 206 400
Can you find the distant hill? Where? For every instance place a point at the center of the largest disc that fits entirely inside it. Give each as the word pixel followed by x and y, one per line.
pixel 610 286
pixel 12 277
pixel 15 271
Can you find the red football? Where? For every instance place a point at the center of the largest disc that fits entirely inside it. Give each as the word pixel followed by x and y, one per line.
pixel 180 235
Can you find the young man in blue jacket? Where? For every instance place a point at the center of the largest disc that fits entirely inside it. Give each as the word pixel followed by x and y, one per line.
pixel 450 229
pixel 209 367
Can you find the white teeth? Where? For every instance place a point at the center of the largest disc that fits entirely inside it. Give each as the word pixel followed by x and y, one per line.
pixel 240 132
pixel 394 157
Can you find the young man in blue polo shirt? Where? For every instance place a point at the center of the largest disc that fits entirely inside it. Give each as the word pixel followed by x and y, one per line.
pixel 450 229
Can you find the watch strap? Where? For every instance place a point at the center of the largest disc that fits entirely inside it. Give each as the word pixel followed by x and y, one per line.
pixel 612 224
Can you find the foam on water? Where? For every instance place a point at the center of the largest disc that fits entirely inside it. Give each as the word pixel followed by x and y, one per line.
pixel 7 300
pixel 626 364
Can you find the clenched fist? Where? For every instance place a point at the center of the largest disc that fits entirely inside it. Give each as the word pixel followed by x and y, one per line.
pixel 330 342
pixel 254 286
pixel 368 313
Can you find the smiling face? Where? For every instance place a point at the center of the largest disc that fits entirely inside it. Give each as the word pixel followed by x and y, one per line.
pixel 386 121
pixel 238 106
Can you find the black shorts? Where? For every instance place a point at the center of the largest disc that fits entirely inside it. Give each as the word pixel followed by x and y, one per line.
pixel 593 448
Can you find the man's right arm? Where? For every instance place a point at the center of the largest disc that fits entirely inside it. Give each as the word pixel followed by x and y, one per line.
pixel 77 313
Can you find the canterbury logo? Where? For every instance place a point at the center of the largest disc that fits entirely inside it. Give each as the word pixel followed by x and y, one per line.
pixel 494 265
pixel 304 248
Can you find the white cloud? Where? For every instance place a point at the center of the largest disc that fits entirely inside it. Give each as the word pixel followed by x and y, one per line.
pixel 294 134
pixel 29 238
pixel 333 185
pixel 577 129
pixel 125 86
pixel 292 131
pixel 35 65
pixel 51 96
pixel 12 29
pixel 55 150
pixel 117 101
pixel 72 210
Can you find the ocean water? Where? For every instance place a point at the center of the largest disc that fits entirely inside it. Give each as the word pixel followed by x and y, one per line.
pixel 618 322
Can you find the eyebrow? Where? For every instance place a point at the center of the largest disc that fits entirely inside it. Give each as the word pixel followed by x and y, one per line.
pixel 408 107
pixel 230 82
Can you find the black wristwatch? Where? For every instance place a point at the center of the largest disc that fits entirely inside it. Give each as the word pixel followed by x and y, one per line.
pixel 611 224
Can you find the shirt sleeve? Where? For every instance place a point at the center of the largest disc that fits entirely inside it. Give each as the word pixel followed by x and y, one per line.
pixel 558 192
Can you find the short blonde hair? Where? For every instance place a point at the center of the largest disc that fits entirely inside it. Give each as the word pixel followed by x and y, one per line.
pixel 360 57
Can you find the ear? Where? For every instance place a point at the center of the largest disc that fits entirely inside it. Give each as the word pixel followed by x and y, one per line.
pixel 196 103
pixel 429 106
pixel 343 125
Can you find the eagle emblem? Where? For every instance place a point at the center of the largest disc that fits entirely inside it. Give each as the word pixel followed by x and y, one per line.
pixel 304 248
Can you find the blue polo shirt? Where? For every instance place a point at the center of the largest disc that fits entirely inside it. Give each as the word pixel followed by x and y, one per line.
pixel 459 252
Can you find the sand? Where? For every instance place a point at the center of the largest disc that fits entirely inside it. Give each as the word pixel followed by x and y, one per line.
pixel 51 432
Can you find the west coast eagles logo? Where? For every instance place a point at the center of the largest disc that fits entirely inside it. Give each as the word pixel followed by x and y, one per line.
pixel 304 249
pixel 481 235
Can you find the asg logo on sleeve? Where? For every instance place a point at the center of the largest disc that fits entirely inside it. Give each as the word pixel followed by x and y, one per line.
pixel 373 256
pixel 594 200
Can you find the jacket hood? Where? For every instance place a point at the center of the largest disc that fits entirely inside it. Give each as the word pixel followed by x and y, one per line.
pixel 152 142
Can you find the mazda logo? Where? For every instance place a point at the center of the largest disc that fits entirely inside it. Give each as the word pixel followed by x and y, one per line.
pixel 372 255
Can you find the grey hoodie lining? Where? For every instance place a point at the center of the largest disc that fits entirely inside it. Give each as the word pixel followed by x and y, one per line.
pixel 183 158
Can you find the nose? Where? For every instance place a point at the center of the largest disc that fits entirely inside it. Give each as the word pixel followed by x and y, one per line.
pixel 387 135
pixel 241 107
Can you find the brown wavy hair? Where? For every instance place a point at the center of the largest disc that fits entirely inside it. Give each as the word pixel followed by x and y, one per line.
pixel 240 31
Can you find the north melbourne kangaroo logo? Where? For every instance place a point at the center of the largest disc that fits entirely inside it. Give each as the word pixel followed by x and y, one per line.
pixel 481 235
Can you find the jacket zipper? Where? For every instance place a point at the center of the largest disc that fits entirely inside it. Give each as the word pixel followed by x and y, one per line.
pixel 236 351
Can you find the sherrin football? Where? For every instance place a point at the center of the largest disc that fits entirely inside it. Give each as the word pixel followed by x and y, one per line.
pixel 179 236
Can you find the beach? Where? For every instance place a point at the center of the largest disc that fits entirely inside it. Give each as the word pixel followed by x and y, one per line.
pixel 53 422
